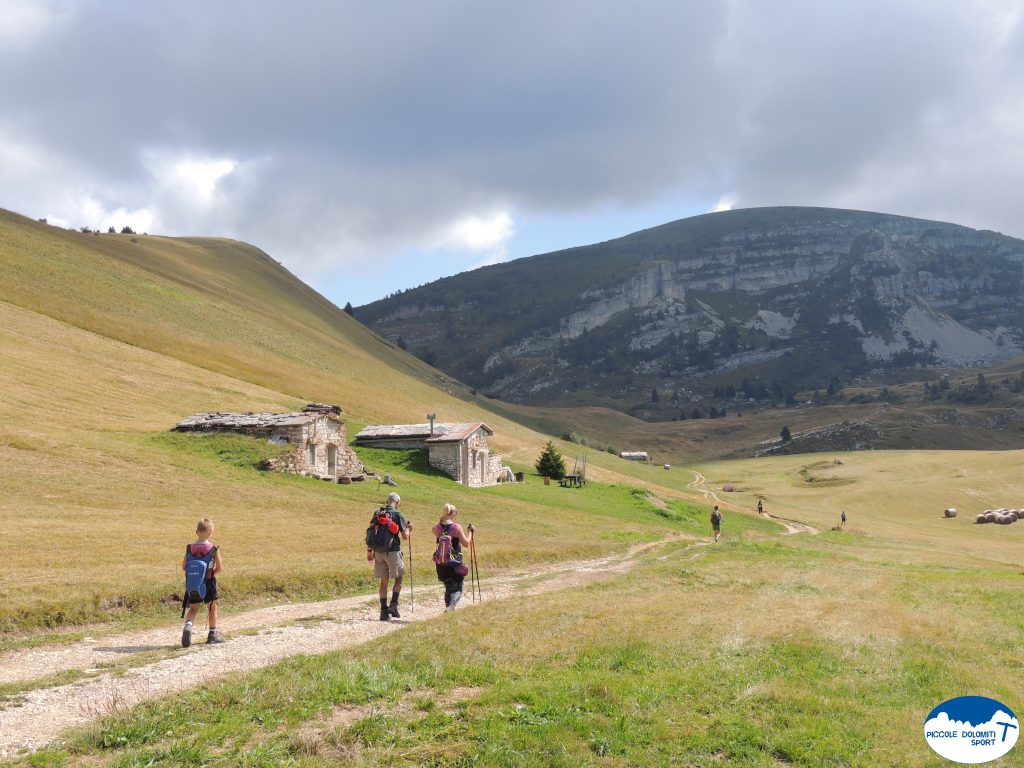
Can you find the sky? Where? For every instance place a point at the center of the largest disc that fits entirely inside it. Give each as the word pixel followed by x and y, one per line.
pixel 372 147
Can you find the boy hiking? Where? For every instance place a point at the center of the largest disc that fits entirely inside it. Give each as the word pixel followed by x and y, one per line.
pixel 716 522
pixel 384 549
pixel 451 570
pixel 201 565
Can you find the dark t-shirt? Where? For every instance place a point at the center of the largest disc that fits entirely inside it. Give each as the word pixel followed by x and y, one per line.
pixel 396 541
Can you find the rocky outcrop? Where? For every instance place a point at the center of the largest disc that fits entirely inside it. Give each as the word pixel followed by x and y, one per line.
pixel 658 287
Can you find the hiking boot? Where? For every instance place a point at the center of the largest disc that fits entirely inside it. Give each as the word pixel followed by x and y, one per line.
pixel 215 637
pixel 186 636
pixel 385 614
pixel 393 609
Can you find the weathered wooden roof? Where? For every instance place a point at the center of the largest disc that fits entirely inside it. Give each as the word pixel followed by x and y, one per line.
pixel 396 431
pixel 457 432
pixel 442 432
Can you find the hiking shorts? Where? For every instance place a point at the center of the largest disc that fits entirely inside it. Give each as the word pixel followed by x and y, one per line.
pixel 447 575
pixel 388 565
pixel 211 591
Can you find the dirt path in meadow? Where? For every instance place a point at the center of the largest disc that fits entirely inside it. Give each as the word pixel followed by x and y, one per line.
pixel 119 671
pixel 699 484
pixel 125 669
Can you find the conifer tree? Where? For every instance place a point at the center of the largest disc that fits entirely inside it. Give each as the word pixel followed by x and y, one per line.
pixel 550 464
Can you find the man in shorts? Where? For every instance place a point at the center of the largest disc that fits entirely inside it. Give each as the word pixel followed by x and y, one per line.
pixel 716 522
pixel 388 563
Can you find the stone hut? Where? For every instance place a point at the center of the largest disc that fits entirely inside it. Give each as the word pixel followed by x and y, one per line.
pixel 459 450
pixel 317 434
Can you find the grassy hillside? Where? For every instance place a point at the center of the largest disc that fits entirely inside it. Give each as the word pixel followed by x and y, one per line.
pixel 758 651
pixel 101 497
pixel 106 341
pixel 223 306
pixel 762 650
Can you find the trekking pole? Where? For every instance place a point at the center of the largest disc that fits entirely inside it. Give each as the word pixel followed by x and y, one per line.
pixel 472 568
pixel 477 592
pixel 412 592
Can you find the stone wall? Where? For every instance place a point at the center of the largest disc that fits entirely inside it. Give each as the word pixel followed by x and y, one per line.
pixel 446 457
pixel 496 471
pixel 312 441
pixel 349 464
pixel 316 436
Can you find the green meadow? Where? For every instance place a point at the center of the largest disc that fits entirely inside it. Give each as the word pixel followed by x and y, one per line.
pixel 758 651
pixel 764 649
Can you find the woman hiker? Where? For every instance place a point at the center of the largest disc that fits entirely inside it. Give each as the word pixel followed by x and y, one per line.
pixel 451 571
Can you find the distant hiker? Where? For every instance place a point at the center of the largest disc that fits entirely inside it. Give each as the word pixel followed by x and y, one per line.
pixel 451 570
pixel 760 506
pixel 842 520
pixel 716 522
pixel 384 549
pixel 201 564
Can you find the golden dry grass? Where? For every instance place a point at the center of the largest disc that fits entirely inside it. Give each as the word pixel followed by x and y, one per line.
pixel 99 499
pixel 105 342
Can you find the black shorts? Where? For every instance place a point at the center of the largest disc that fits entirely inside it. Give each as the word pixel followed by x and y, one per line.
pixel 211 591
pixel 447 575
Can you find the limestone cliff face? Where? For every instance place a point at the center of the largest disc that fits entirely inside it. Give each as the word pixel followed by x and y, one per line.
pixel 655 287
pixel 803 295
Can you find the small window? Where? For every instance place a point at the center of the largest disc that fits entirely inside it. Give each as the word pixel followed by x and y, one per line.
pixel 311 457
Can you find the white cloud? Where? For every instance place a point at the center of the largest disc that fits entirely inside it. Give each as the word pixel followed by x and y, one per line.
pixel 95 214
pixel 22 22
pixel 192 179
pixel 479 233
pixel 86 211
pixel 725 203
pixel 487 235
pixel 422 144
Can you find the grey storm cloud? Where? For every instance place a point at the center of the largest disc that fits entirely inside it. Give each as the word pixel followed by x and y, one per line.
pixel 333 132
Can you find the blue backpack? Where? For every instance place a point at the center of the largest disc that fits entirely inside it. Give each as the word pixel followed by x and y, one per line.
pixel 196 570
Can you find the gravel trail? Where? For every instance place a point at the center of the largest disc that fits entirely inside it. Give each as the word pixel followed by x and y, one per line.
pixel 39 716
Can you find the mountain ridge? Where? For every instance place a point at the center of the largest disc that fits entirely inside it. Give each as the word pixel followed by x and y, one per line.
pixel 804 297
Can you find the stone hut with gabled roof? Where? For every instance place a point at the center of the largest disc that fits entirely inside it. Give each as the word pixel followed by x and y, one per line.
pixel 317 434
pixel 460 450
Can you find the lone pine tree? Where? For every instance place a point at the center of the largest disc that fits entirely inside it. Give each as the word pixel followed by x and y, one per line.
pixel 550 463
